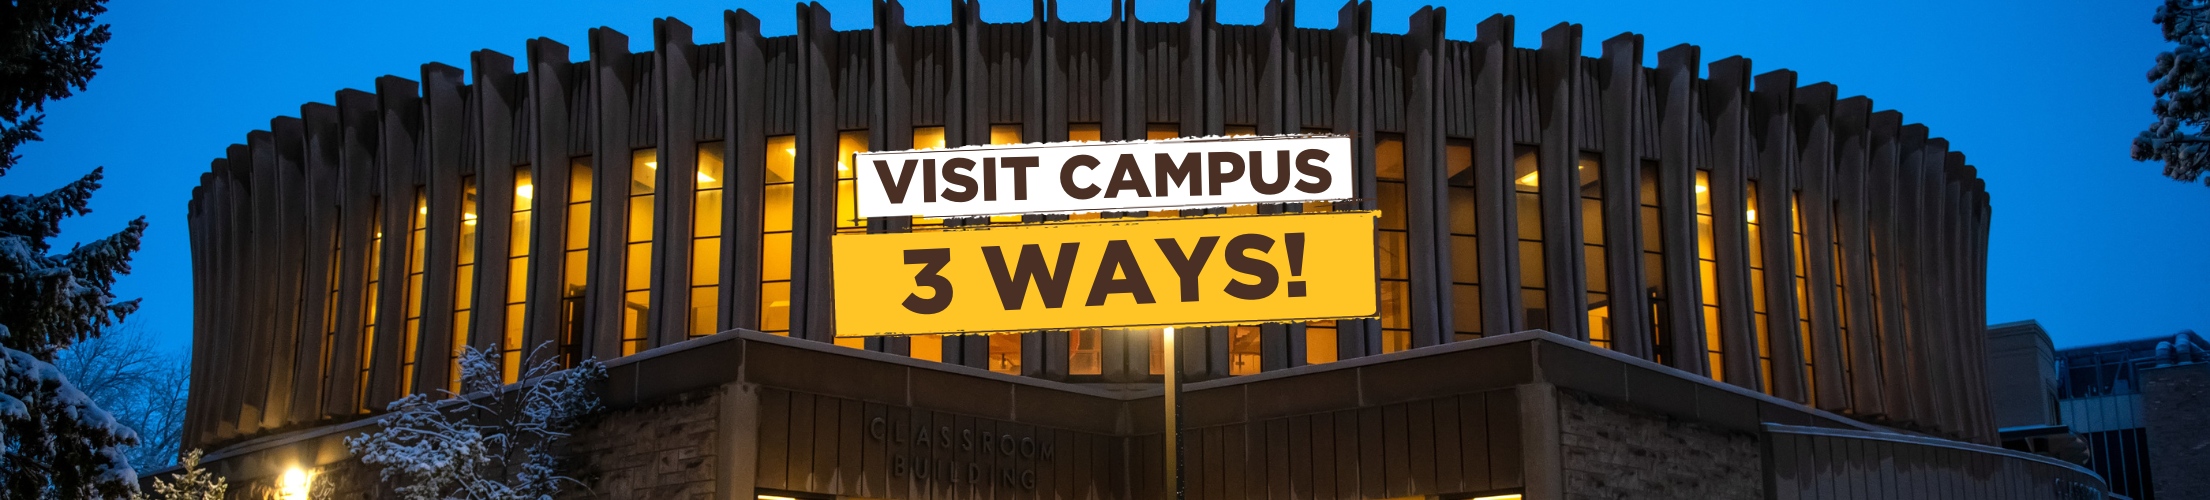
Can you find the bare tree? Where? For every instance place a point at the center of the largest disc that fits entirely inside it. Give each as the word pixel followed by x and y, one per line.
pixel 140 383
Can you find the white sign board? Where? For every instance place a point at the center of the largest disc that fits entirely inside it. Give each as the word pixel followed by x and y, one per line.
pixel 1101 176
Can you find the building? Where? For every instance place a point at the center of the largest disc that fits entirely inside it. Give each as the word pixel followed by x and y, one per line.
pixel 2136 405
pixel 1637 330
pixel 2023 392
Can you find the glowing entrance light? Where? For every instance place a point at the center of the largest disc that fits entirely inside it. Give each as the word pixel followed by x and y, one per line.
pixel 294 485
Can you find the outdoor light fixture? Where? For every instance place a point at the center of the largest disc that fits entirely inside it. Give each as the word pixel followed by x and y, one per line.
pixel 294 484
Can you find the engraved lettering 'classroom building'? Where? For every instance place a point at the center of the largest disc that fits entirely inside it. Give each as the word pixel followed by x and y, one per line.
pixel 1591 277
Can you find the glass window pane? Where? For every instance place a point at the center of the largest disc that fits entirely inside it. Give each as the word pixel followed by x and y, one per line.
pixel 775 306
pixel 1005 134
pixel 1005 354
pixel 1391 195
pixel 1465 267
pixel 1084 132
pixel 644 171
pixel 1320 342
pixel 928 137
pixel 579 179
pixel 1461 205
pixel 1466 310
pixel 464 288
pixel 707 222
pixel 710 165
pixel 1083 352
pixel 1393 248
pixel 637 271
pixel 775 208
pixel 1244 350
pixel 578 233
pixel 782 159
pixel 573 270
pixel 775 257
pixel 1389 158
pixel 928 347
pixel 705 261
pixel 1530 264
pixel 1157 131
pixel 518 245
pixel 705 310
pixel 640 218
pixel 517 278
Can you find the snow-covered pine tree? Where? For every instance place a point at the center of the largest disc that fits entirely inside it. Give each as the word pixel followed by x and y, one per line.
pixel 494 441
pixel 54 441
pixel 2181 82
pixel 190 482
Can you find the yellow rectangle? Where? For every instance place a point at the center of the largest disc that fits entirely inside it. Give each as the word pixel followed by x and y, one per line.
pixel 1120 273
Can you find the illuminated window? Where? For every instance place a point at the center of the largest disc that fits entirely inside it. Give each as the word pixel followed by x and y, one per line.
pixel 1083 350
pixel 1465 244
pixel 1527 194
pixel 1648 188
pixel 333 278
pixel 1090 132
pixel 644 184
pixel 775 219
pixel 1707 272
pixel 1757 291
pixel 848 143
pixel 1005 354
pixel 1320 342
pixel 574 261
pixel 1005 134
pixel 1803 296
pixel 366 349
pixel 1391 246
pixel 1841 304
pixel 1244 344
pixel 928 138
pixel 464 282
pixel 706 211
pixel 517 274
pixel 411 338
pixel 1590 170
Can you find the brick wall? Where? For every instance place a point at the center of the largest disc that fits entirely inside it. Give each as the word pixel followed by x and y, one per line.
pixel 1613 452
pixel 2175 406
pixel 661 451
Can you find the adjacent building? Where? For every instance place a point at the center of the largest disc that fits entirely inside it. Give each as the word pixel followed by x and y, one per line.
pixel 1599 276
pixel 2104 397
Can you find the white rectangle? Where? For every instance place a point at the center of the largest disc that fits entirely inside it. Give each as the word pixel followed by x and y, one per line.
pixel 1103 176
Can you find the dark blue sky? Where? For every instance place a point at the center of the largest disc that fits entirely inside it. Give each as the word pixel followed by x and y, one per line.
pixel 2043 97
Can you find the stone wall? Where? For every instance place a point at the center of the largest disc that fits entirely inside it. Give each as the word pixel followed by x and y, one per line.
pixel 665 450
pixel 2175 406
pixel 1612 452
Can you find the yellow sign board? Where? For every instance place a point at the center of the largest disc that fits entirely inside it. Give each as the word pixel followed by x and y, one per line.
pixel 1121 273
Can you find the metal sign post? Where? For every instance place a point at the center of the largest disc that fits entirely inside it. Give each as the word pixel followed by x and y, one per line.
pixel 1173 405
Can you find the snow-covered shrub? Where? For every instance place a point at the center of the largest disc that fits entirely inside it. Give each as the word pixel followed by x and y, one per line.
pixel 190 482
pixel 493 441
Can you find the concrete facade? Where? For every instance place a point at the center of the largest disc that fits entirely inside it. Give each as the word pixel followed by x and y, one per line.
pixel 740 414
pixel 2026 394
